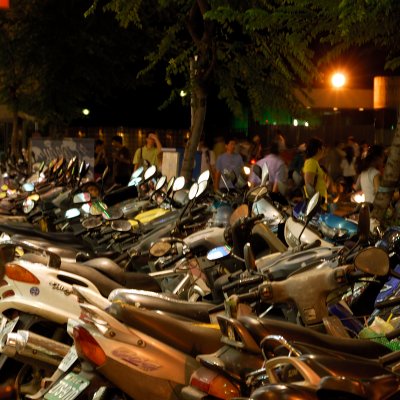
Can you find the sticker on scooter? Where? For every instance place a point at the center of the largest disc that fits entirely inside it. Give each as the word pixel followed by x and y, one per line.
pixel 134 359
pixel 61 288
pixel 34 291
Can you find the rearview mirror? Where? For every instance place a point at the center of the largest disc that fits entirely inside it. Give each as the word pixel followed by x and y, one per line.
pixel 373 261
pixel 28 187
pixel 204 176
pixel 161 182
pixel 364 223
pixel 150 172
pixel 72 213
pixel 202 188
pixel 92 222
pixel 83 197
pixel 136 177
pixel 178 184
pixel 193 191
pixel 160 248
pixel 312 206
pixel 219 252
pixel 121 225
pixel 28 205
pixel 264 174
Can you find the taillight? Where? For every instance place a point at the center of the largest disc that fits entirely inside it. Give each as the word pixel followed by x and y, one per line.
pixel 212 383
pixel 18 273
pixel 87 346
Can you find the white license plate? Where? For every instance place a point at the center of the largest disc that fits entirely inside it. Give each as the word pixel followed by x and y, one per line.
pixel 7 326
pixel 68 360
pixel 69 388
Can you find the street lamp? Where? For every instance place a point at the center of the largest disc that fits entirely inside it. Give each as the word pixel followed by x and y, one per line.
pixel 338 80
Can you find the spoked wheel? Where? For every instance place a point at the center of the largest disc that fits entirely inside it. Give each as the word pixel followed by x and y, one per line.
pixel 28 381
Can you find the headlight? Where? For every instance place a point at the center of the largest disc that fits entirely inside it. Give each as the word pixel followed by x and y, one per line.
pixel 333 233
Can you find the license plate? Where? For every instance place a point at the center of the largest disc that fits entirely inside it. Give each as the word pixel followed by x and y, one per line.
pixel 69 388
pixel 68 360
pixel 7 326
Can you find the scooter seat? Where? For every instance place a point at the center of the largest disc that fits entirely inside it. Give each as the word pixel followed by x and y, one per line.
pixel 190 338
pixel 259 328
pixel 53 237
pixel 154 301
pixel 129 280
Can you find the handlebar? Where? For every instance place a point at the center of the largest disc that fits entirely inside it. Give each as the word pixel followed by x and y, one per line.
pixel 243 282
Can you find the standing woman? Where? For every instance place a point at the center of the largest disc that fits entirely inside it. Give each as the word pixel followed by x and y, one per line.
pixel 315 179
pixel 370 175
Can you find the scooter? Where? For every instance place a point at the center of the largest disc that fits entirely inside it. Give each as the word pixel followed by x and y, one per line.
pixel 249 342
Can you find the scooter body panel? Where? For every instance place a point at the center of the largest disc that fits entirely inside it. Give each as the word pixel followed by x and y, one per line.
pixel 208 238
pixel 141 365
pixel 51 298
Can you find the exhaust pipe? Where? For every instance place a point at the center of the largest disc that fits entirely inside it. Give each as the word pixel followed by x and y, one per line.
pixel 31 345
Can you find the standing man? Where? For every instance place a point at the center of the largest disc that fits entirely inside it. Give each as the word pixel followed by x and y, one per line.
pixel 230 161
pixel 122 167
pixel 277 169
pixel 151 152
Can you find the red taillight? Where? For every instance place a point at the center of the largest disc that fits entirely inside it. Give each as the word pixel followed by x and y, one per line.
pixel 87 347
pixel 253 161
pixel 212 383
pixel 18 273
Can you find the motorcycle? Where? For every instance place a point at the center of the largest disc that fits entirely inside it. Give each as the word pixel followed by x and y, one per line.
pixel 254 347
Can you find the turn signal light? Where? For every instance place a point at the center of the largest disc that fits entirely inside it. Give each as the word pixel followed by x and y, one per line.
pixel 20 274
pixel 87 347
pixel 213 384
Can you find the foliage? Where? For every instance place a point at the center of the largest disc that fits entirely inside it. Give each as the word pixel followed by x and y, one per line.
pixel 254 52
pixel 56 59
pixel 371 22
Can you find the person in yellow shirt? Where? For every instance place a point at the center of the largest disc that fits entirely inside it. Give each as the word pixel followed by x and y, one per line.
pixel 315 179
pixel 151 152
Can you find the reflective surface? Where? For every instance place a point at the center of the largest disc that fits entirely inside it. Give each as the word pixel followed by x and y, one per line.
pixel 219 252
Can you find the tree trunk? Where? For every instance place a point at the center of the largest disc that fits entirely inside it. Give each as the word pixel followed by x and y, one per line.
pixel 198 109
pixel 390 179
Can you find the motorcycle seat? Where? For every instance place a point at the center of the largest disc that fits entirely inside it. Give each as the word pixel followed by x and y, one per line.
pixel 131 280
pixel 53 237
pixel 190 338
pixel 154 301
pixel 259 328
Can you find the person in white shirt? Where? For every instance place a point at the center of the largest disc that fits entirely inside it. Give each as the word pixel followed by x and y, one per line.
pixel 370 176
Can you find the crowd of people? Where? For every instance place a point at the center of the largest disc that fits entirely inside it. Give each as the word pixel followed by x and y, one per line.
pixel 335 171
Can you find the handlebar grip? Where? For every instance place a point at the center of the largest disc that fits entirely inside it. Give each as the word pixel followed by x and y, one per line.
pixel 243 282
pixel 249 296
